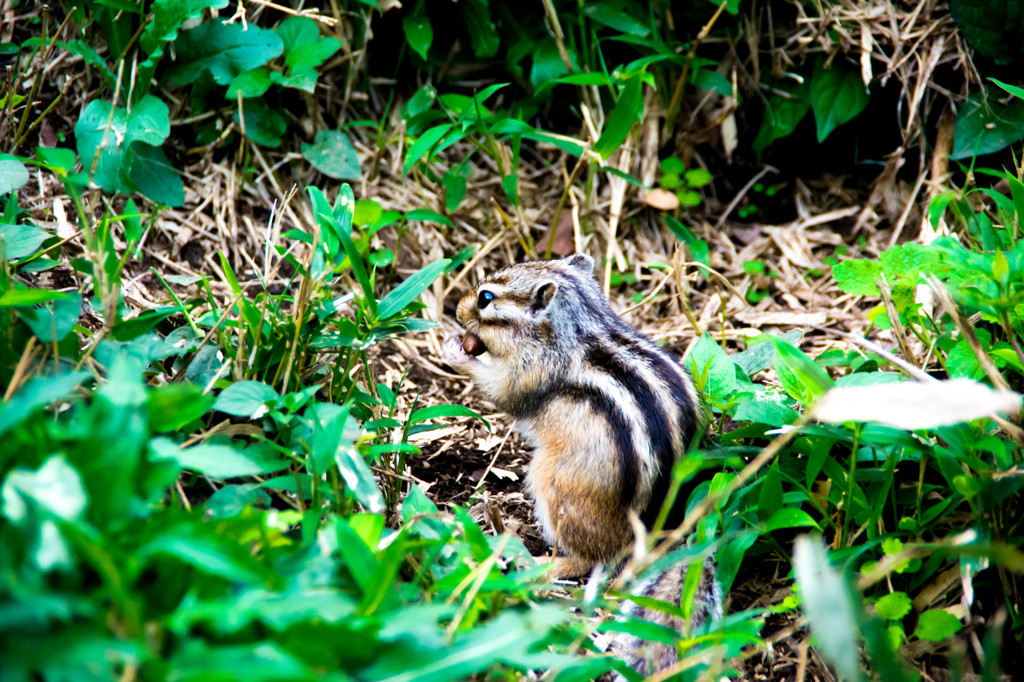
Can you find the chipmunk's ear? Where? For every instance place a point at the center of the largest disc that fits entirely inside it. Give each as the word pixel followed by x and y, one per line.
pixel 581 262
pixel 543 294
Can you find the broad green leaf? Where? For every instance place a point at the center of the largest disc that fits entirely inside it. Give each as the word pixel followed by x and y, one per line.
pixel 222 50
pixel 802 378
pixel 59 158
pixel 616 16
pixel 483 35
pixel 893 606
pixel 837 95
pixel 789 517
pixel 219 461
pixel 409 290
pixel 13 175
pixel 936 625
pixel 173 406
pixel 707 359
pixel 358 478
pixel 246 399
pixel 54 321
pixel 992 27
pixel 105 134
pixel 760 356
pixel 828 603
pixel 511 637
pixel 416 502
pixel 626 112
pixel 984 125
pixel 151 171
pixel 698 177
pixel 367 211
pixel 252 83
pixel 333 155
pixel 37 393
pixel 419 34
pixel 765 412
pixel 857 277
pixel 20 241
pixel 211 554
pixel 782 115
pixel 55 488
pixel 168 18
pixel 455 184
pixel 261 124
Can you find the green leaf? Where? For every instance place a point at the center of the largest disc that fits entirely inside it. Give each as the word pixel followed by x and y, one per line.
pixel 168 18
pixel 765 412
pixel 262 124
pixel 211 554
pixel 419 34
pixel 416 502
pixel 174 406
pixel 20 241
pixel 627 111
pixel 436 411
pixel 1012 89
pixel 219 461
pixel 936 625
pixel 105 135
pixel 483 35
pixel 246 399
pixel 782 115
pixel 698 177
pixel 984 126
pixel 333 155
pixel 223 51
pixel 893 606
pixel 151 171
pixel 837 95
pixel 37 393
pixel 423 144
pixel 992 27
pixel 857 277
pixel 53 322
pixel 409 290
pixel 252 83
pixel 455 184
pixel 56 490
pixel 802 378
pixel 616 16
pixel 55 487
pixel 13 175
pixel 707 359
pixel 789 517
pixel 828 603
pixel 428 215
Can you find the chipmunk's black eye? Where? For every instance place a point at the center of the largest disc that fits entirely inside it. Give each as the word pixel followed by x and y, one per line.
pixel 483 299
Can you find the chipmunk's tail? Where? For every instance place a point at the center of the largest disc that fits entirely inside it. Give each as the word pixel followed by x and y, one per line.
pixel 651 657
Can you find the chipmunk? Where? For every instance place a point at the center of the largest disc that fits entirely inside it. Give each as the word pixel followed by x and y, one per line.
pixel 607 411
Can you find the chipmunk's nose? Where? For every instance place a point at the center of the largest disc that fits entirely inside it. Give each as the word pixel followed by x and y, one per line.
pixel 466 309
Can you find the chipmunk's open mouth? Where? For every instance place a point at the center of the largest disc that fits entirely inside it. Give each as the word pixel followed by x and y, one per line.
pixel 473 345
